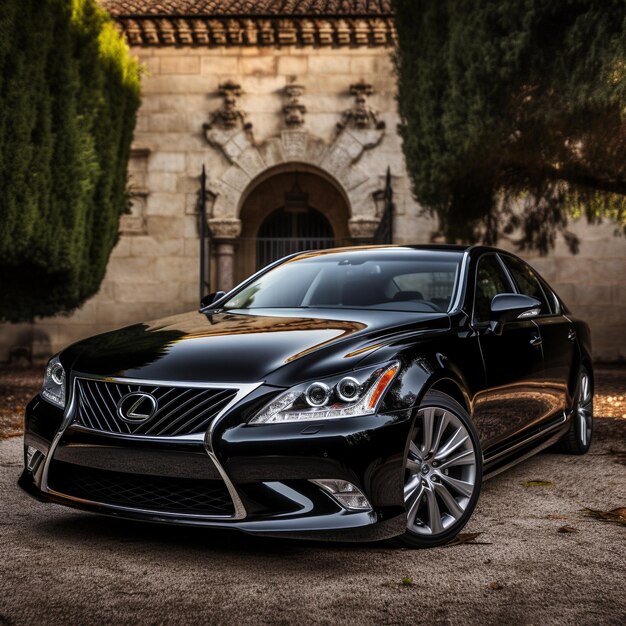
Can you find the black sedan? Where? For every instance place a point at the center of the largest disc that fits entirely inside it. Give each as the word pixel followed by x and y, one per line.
pixel 354 394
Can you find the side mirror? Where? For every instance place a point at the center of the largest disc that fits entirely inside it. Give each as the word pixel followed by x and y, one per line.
pixel 507 307
pixel 211 298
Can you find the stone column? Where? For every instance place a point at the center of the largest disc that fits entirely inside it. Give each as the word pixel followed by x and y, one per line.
pixel 225 263
pixel 225 233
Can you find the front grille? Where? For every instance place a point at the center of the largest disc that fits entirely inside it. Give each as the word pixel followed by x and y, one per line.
pixel 153 493
pixel 179 410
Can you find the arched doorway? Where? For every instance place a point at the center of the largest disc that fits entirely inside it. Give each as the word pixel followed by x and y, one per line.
pixel 288 230
pixel 290 209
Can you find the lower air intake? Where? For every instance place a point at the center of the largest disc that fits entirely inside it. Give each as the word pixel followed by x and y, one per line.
pixel 154 493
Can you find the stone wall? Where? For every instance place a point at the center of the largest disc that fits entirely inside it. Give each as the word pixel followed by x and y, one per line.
pixel 593 284
pixel 153 271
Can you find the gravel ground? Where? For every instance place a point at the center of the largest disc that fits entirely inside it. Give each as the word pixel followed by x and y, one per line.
pixel 539 559
pixel 17 386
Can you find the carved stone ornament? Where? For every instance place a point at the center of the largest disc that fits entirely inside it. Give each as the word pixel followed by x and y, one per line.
pixel 361 116
pixel 294 110
pixel 225 228
pixel 229 117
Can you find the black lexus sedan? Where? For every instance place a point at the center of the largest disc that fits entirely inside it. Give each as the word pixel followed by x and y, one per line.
pixel 353 394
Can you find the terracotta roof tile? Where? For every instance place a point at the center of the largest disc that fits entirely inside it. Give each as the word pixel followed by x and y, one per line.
pixel 133 8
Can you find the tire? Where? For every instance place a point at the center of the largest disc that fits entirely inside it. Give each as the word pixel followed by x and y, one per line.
pixel 440 494
pixel 578 438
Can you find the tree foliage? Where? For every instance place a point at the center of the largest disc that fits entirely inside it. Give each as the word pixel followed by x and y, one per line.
pixel 69 93
pixel 514 114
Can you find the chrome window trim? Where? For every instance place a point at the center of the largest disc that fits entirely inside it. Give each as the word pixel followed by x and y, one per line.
pixel 214 307
pixel 461 286
pixel 206 439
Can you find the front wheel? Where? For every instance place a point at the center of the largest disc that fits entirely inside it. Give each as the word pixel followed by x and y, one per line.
pixel 443 472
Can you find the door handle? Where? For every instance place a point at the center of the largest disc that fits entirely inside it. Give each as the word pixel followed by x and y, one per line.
pixel 571 335
pixel 535 341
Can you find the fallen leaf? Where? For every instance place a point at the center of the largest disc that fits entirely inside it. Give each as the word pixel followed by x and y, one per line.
pixel 616 516
pixel 468 538
pixel 537 483
pixel 567 529
pixel 495 586
pixel 407 581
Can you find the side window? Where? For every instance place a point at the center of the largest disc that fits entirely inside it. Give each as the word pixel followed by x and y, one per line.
pixel 553 301
pixel 527 282
pixel 490 281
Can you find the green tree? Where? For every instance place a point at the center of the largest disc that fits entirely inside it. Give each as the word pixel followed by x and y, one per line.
pixel 69 94
pixel 513 114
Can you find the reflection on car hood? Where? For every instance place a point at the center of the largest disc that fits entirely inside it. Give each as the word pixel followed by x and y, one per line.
pixel 243 346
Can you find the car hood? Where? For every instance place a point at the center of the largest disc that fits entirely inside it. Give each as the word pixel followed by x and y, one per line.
pixel 245 346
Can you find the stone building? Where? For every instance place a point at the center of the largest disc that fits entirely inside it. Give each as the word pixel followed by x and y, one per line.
pixel 290 107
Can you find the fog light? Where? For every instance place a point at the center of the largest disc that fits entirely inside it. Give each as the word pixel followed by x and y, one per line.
pixel 33 456
pixel 347 494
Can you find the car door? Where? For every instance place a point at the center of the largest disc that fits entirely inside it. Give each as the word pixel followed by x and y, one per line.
pixel 513 360
pixel 557 333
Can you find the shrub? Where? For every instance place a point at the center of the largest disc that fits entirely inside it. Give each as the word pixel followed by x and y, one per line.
pixel 69 94
pixel 514 114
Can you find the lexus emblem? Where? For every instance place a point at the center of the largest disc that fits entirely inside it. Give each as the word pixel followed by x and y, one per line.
pixel 137 406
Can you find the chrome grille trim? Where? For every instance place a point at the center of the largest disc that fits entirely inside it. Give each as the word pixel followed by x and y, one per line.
pixel 182 410
pixel 197 437
pixel 69 415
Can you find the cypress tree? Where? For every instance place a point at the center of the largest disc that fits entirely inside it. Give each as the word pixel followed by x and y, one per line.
pixel 69 94
pixel 514 114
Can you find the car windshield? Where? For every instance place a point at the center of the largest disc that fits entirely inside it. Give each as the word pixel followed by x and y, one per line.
pixel 400 279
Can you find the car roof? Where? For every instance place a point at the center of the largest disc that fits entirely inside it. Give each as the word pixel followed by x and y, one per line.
pixel 390 247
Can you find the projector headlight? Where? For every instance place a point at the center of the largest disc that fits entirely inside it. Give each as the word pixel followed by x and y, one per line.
pixel 53 388
pixel 348 395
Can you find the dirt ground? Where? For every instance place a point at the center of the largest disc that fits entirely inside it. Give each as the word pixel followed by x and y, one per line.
pixel 17 386
pixel 539 557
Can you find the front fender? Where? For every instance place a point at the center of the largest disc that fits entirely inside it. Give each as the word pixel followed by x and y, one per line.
pixel 435 364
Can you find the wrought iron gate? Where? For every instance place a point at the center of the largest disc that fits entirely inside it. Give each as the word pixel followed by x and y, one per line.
pixel 287 231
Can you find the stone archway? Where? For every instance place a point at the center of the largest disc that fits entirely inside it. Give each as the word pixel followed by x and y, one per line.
pixel 250 163
pixel 266 195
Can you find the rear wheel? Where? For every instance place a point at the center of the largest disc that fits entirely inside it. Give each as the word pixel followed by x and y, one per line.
pixel 578 438
pixel 443 472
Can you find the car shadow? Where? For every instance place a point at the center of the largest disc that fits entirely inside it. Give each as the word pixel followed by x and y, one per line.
pixel 84 528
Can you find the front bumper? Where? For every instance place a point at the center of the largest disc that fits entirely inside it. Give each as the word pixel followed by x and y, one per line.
pixel 260 475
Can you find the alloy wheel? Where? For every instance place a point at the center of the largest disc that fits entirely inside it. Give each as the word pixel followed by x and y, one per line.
pixel 584 408
pixel 440 472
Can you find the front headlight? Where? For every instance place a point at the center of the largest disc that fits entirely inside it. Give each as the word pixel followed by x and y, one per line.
pixel 53 388
pixel 348 395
